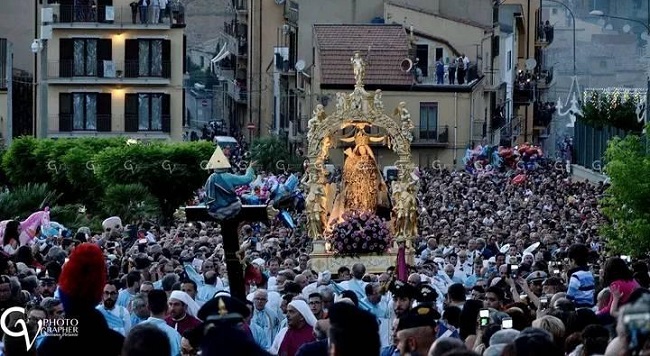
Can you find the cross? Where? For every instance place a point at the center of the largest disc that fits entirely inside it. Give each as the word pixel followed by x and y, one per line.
pixel 248 213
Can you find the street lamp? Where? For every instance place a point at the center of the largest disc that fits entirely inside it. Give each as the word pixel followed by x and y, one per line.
pixel 573 17
pixel 647 27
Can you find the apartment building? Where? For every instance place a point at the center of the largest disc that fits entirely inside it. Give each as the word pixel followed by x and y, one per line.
pixel 112 68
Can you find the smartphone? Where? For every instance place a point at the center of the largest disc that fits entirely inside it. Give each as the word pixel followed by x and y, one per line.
pixel 484 317
pixel 543 302
pixel 506 323
pixel 38 271
pixel 514 271
pixel 556 272
pixel 627 259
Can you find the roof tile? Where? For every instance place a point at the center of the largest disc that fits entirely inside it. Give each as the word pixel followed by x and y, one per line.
pixel 383 47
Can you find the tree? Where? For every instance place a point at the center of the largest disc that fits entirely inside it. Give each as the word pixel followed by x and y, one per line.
pixel 172 172
pixel 22 201
pixel 626 200
pixel 131 202
pixel 270 153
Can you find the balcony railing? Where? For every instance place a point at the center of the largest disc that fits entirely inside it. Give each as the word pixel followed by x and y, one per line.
pixel 431 135
pixel 132 124
pixel 237 91
pixel 107 70
pixel 545 34
pixel 100 123
pixel 84 16
pixel 431 76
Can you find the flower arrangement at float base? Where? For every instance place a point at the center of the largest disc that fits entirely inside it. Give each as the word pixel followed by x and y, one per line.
pixel 360 233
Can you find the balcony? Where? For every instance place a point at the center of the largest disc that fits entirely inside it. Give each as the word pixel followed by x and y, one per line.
pixel 430 78
pixel 524 88
pixel 241 6
pixel 237 91
pixel 291 12
pixel 236 33
pixel 544 35
pixel 105 128
pixel 428 137
pixel 107 72
pixel 544 79
pixel 103 123
pixel 132 124
pixel 90 17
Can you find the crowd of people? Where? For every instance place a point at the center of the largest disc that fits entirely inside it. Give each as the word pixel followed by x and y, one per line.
pixel 499 269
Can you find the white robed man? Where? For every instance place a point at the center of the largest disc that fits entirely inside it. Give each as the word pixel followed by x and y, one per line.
pixel 265 317
pixel 299 329
pixel 356 284
pixel 117 317
pixel 379 307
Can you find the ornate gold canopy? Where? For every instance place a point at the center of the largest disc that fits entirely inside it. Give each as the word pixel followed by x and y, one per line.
pixel 361 107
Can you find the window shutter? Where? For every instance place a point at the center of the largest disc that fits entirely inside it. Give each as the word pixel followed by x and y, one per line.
pixel 104 117
pixel 65 112
pixel 131 113
pixel 104 53
pixel 166 113
pixel 66 57
pixel 131 54
pixel 166 58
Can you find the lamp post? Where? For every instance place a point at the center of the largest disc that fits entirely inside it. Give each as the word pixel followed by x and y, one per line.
pixel 573 21
pixel 647 27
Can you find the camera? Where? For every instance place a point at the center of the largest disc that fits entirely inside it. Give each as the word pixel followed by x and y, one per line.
pixel 513 271
pixel 543 302
pixel 484 317
pixel 506 323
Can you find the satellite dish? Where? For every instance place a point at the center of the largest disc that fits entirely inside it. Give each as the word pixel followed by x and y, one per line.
pixel 406 65
pixel 531 63
pixel 300 65
pixel 627 28
pixel 609 27
pixel 279 2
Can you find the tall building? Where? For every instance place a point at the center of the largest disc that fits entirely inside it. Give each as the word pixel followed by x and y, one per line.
pixel 5 97
pixel 111 68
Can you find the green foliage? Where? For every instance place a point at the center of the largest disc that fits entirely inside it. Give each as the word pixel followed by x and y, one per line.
pixel 131 202
pixel 270 153
pixel 22 201
pixel 89 171
pixel 171 172
pixel 626 202
pixel 615 108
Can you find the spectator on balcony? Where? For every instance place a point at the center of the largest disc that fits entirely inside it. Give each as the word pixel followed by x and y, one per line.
pixel 452 72
pixel 163 10
pixel 440 71
pixel 548 31
pixel 460 69
pixel 155 9
pixel 134 11
pixel 144 8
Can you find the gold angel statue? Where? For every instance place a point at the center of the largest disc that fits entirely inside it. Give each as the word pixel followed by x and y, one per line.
pixel 315 210
pixel 362 187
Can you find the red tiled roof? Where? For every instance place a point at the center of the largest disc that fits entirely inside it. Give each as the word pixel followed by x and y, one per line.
pixel 383 47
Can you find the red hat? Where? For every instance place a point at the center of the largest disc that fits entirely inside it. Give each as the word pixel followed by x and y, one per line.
pixel 83 278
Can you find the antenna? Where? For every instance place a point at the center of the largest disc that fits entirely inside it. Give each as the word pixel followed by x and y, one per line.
pixel 406 65
pixel 300 65
pixel 531 63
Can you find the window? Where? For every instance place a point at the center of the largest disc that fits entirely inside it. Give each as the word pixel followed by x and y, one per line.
pixel 422 54
pixel 147 58
pixel 509 59
pixel 147 112
pixel 554 11
pixel 84 112
pixel 603 64
pixel 428 121
pixel 84 57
